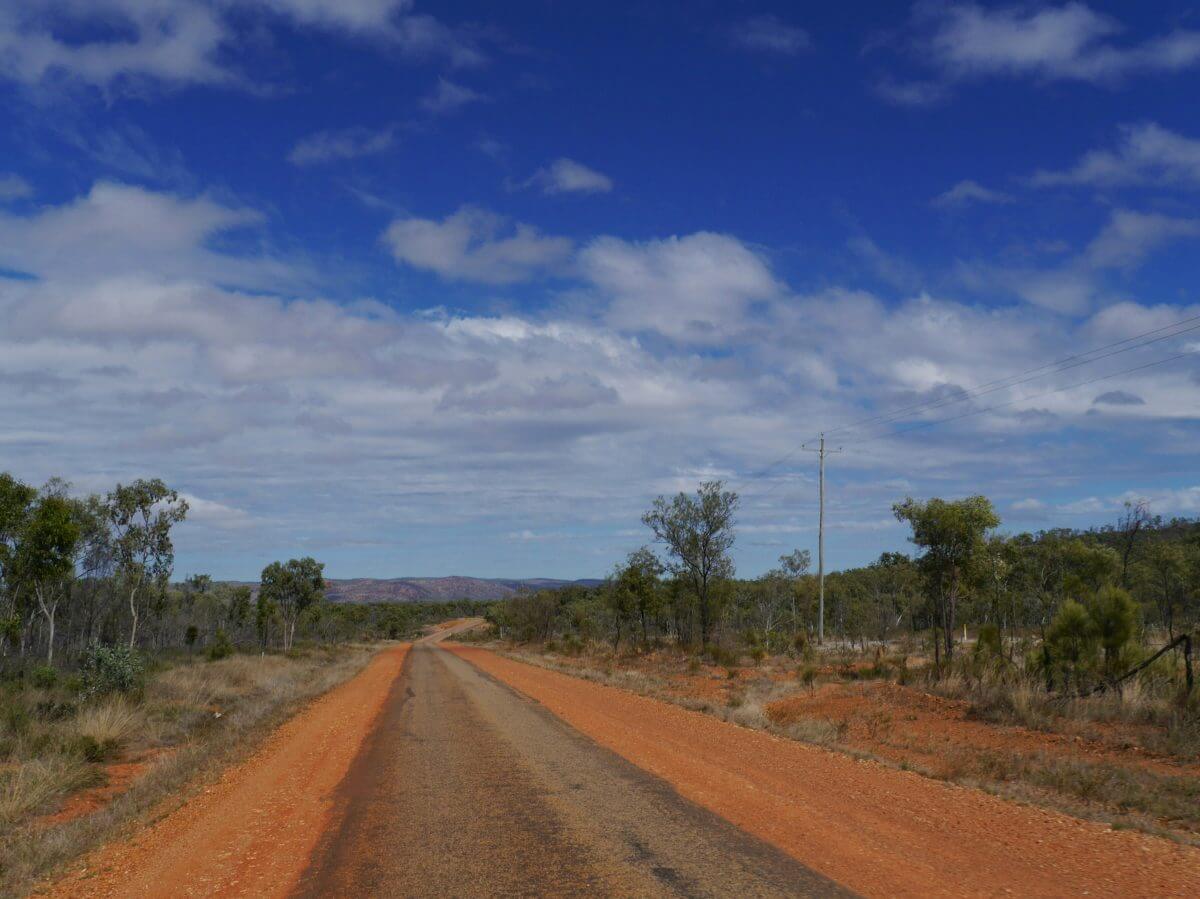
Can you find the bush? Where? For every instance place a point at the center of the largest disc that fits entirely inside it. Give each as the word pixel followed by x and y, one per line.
pixel 43 677
pixel 109 669
pixel 1072 639
pixel 221 647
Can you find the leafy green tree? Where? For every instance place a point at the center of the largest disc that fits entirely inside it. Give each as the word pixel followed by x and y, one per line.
pixel 16 500
pixel 952 533
pixel 793 567
pixel 142 515
pixel 638 579
pixel 1071 640
pixel 238 611
pixel 265 612
pixel 293 586
pixel 698 533
pixel 1115 615
pixel 45 557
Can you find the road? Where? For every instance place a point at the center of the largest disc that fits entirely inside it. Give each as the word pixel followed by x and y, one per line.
pixel 468 789
pixel 449 770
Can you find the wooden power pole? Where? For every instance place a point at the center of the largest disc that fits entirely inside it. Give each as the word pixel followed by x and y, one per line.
pixel 820 451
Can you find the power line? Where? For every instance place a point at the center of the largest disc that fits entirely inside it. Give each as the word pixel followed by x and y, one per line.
pixel 1017 380
pixel 1115 374
pixel 1055 367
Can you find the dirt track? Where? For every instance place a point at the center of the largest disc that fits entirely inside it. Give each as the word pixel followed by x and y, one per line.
pixel 427 776
pixel 251 833
pixel 879 831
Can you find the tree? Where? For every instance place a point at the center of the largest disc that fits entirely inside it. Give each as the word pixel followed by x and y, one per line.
pixel 1130 525
pixel 293 586
pixel 16 500
pixel 1115 615
pixel 698 532
pixel 794 566
pixel 634 591
pixel 952 534
pixel 45 557
pixel 142 515
pixel 1071 639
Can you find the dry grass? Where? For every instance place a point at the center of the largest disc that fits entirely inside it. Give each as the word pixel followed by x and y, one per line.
pixel 109 722
pixel 208 714
pixel 33 786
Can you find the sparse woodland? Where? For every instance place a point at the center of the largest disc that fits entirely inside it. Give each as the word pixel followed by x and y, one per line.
pixel 1078 608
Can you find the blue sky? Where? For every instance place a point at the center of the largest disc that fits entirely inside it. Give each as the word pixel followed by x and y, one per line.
pixel 459 288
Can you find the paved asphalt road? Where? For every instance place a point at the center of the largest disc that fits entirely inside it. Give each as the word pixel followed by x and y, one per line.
pixel 467 788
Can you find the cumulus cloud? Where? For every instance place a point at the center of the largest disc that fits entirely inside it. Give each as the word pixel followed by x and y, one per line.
pixel 696 287
pixel 964 193
pixel 1071 42
pixel 1130 236
pixel 1145 154
pixel 350 143
pixel 315 420
pixel 1067 42
pixel 117 229
pixel 769 34
pixel 476 245
pixel 449 96
pixel 566 176
pixel 14 187
pixel 184 42
pixel 1119 398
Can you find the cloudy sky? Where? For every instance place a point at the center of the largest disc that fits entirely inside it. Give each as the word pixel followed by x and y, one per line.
pixel 425 288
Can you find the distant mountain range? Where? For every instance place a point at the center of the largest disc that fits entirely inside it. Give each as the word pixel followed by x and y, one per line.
pixel 438 589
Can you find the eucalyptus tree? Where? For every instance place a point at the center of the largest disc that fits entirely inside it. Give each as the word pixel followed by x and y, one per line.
pixel 45 557
pixel 16 500
pixel 698 533
pixel 141 515
pixel 952 535
pixel 292 587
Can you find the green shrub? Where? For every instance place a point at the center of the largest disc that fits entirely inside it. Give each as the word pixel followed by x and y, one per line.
pixel 1072 639
pixel 43 676
pixel 109 669
pixel 221 647
pixel 86 747
pixel 1115 615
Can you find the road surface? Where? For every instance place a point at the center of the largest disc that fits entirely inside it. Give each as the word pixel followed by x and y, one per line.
pixel 468 789
pixel 447 770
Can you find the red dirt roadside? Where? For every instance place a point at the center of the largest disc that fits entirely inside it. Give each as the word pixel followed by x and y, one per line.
pixel 252 832
pixel 879 831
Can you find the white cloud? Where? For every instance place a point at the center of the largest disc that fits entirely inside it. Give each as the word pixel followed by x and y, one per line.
pixel 1146 154
pixel 911 93
pixel 770 34
pixel 967 192
pixel 1028 505
pixel 1070 42
pixel 350 143
pixel 476 245
pixel 181 42
pixel 568 176
pixel 174 41
pixel 14 187
pixel 448 97
pixel 1129 237
pixel 694 288
pixel 316 420
pixel 116 229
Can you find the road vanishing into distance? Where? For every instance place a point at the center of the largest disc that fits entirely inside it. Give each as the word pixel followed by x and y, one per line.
pixel 447 770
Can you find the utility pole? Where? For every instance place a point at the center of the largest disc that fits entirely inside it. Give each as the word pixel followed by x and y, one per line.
pixel 820 451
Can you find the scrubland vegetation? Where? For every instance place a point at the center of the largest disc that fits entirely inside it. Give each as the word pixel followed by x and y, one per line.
pixel 1053 667
pixel 120 687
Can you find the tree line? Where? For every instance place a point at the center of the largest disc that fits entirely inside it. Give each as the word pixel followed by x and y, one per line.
pixel 80 572
pixel 1081 603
